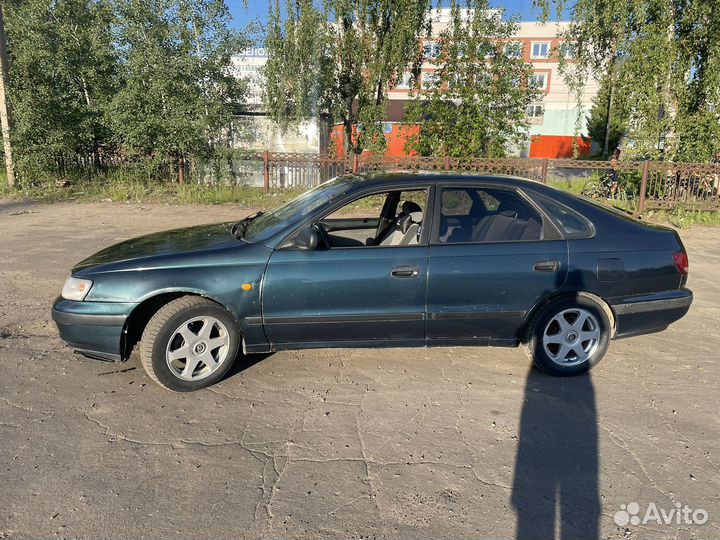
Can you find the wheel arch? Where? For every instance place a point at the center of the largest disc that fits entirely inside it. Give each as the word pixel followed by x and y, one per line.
pixel 563 295
pixel 142 313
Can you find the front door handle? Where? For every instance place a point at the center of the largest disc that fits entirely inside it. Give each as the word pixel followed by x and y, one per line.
pixel 405 271
pixel 547 266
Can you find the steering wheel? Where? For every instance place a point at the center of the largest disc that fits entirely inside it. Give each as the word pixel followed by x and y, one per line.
pixel 323 237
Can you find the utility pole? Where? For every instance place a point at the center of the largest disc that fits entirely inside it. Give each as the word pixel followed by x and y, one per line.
pixel 4 116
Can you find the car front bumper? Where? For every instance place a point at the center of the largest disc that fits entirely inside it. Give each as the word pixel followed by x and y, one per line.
pixel 643 314
pixel 94 329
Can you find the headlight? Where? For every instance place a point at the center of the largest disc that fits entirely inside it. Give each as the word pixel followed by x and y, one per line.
pixel 76 288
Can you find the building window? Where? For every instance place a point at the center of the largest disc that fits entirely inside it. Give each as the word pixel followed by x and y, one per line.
pixel 540 49
pixel 429 80
pixel 431 51
pixel 539 80
pixel 535 111
pixel 404 81
pixel 568 51
pixel 514 49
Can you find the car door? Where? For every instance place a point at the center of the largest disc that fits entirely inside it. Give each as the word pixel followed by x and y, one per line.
pixel 493 256
pixel 348 294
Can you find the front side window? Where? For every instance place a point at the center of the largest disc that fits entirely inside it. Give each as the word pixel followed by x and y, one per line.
pixel 387 219
pixel 486 215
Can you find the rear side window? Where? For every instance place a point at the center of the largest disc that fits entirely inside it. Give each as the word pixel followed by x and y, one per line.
pixel 456 202
pixel 487 215
pixel 572 224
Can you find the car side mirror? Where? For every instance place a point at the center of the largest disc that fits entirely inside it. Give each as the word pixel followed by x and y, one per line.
pixel 306 239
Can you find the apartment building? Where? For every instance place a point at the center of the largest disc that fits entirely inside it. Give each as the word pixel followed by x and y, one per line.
pixel 257 131
pixel 552 117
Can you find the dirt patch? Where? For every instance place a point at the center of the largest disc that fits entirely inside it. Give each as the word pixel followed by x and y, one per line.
pixel 391 443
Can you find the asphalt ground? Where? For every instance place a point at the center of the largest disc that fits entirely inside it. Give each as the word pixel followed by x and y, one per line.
pixel 391 443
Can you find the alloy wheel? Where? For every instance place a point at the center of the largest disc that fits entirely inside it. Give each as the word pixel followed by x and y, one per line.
pixel 571 337
pixel 197 348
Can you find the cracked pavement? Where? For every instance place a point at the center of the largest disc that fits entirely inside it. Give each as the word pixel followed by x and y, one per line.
pixel 389 443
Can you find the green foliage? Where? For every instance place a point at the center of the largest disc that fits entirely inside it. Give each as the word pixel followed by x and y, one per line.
pixel 477 103
pixel 684 217
pixel 598 119
pixel 63 74
pixel 177 92
pixel 662 60
pixel 341 59
pixel 574 185
pixel 124 185
pixel 93 82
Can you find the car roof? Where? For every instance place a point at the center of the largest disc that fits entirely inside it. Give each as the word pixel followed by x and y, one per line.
pixel 400 177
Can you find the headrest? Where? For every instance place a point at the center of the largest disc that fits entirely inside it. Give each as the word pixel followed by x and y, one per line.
pixel 408 207
pixel 405 221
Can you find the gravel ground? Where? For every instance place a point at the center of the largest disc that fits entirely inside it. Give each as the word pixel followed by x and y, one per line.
pixel 393 443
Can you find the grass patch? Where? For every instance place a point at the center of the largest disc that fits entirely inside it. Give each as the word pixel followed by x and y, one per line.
pixel 574 186
pixel 684 217
pixel 151 192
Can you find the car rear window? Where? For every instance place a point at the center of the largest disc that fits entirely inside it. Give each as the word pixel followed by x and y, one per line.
pixel 471 215
pixel 572 224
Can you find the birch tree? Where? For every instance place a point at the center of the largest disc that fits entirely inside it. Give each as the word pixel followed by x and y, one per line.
pixel 340 58
pixel 476 104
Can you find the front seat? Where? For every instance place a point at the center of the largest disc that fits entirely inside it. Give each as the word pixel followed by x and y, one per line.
pixel 404 229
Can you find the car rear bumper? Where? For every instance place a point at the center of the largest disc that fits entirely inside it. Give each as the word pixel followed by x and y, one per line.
pixel 94 329
pixel 648 313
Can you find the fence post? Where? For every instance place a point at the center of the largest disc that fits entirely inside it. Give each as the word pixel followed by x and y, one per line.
pixel 643 186
pixel 543 174
pixel 447 162
pixel 266 171
pixel 356 159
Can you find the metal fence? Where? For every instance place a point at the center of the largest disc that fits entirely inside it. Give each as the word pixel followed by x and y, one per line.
pixel 642 184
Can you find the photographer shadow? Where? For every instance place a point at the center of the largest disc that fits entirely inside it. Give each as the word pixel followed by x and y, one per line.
pixel 555 488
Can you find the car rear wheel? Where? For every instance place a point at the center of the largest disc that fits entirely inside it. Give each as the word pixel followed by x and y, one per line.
pixel 569 336
pixel 189 344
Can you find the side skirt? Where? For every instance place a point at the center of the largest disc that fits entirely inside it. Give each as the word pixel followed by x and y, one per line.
pixel 388 343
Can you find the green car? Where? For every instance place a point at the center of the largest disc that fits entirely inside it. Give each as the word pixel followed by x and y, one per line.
pixel 391 260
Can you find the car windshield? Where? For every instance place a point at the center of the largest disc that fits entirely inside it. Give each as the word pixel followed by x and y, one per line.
pixel 269 223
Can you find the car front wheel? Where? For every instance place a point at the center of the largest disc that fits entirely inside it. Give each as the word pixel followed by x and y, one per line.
pixel 189 344
pixel 569 336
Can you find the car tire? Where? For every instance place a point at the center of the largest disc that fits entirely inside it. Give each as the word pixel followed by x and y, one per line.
pixel 569 336
pixel 189 344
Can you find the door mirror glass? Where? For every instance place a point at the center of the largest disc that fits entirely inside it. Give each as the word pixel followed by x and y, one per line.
pixel 306 239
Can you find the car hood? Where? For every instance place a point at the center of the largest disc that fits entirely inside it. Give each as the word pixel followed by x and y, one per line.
pixel 174 242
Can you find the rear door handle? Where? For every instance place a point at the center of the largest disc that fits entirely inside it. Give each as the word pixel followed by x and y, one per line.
pixel 547 266
pixel 405 271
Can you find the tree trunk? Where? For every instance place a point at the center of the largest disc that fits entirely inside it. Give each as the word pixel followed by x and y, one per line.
pixel 181 169
pixel 347 142
pixel 608 119
pixel 5 120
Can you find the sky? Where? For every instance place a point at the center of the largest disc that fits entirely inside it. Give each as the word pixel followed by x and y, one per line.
pixel 257 10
